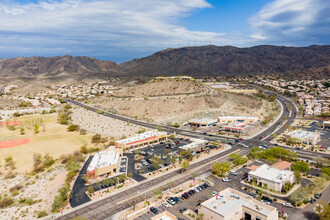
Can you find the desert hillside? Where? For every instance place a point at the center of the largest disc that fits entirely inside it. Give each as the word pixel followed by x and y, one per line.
pixel 296 62
pixel 234 61
pixel 180 108
pixel 161 88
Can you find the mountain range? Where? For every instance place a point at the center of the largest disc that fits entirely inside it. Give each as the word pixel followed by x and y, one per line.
pixel 296 62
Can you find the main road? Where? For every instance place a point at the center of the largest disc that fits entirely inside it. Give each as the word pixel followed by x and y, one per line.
pixel 107 207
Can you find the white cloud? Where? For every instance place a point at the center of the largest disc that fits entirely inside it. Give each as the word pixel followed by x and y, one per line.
pixel 111 28
pixel 293 22
pixel 128 23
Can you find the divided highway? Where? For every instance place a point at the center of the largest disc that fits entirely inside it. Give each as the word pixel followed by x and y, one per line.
pixel 107 207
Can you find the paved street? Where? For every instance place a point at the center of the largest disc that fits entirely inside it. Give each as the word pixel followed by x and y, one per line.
pixel 105 208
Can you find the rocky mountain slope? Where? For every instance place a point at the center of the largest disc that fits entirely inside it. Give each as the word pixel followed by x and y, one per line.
pixel 60 67
pixel 232 61
pixel 312 61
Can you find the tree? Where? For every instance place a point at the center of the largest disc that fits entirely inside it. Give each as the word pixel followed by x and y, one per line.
pixel 184 166
pixel 238 159
pixel 122 178
pixel 200 216
pixel 91 189
pixel 301 166
pixel 130 175
pixel 172 136
pixel 156 162
pixel 84 177
pixel 326 172
pixel 221 169
pixel 324 210
pixel 297 175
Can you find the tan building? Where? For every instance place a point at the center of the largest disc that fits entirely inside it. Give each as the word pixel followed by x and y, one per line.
pixel 230 204
pixel 202 122
pixel 240 119
pixel 104 163
pixel 164 216
pixel 144 139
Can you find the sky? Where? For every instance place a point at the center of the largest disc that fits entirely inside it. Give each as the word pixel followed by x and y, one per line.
pixel 121 30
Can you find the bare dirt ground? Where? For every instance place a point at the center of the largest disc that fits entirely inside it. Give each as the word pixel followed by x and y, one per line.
pixel 103 125
pixel 8 103
pixel 160 88
pixel 42 190
pixel 181 108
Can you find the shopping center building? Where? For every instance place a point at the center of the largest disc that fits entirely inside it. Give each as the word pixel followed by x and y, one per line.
pixel 104 163
pixel 144 139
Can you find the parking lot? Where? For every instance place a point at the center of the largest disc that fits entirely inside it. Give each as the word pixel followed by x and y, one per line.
pixel 190 203
pixel 163 151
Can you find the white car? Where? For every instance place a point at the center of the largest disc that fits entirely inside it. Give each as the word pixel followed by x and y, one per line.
pixel 165 205
pixel 226 179
pixel 289 205
pixel 265 201
pixel 196 189
pixel 214 193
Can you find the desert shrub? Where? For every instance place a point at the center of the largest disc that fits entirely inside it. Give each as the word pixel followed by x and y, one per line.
pixel 10 175
pixel 61 199
pixel 83 131
pixel 42 213
pixel 83 149
pixel 48 160
pixel 73 166
pixel 15 192
pixel 17 187
pixel 70 176
pixel 5 202
pixel 96 139
pixel 73 127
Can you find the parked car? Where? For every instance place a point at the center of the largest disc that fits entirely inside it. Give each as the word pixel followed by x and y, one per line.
pixel 253 194
pixel 154 210
pixel 171 201
pixel 265 201
pixel 317 195
pixel 289 205
pixel 165 204
pixel 312 200
pixel 233 173
pixel 265 198
pixel 182 210
pixel 214 193
pixel 176 199
pixel 226 179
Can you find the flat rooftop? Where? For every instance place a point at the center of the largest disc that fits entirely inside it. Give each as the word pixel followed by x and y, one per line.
pixel 238 117
pixel 142 136
pixel 271 173
pixel 302 134
pixel 203 120
pixel 104 159
pixel 230 200
pixel 193 144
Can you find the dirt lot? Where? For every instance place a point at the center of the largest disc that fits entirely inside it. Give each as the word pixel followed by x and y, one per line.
pixel 52 138
pixel 171 109
pixel 161 88
pixel 101 124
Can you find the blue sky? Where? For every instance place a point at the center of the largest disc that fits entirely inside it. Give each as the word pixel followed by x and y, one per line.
pixel 120 30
